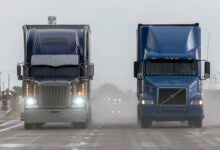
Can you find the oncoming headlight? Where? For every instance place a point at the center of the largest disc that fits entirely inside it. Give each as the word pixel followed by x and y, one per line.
pixel 148 102
pixel 31 102
pixel 197 102
pixel 79 102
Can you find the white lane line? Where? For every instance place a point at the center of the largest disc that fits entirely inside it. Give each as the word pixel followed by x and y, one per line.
pixel 6 123
pixel 148 145
pixel 82 145
pixel 86 138
pixel 8 128
pixel 14 145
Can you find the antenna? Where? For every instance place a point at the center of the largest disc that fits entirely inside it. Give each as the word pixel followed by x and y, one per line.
pixel 208 47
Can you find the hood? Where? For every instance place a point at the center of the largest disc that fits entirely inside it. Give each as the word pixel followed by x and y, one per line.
pixel 170 81
pixel 54 80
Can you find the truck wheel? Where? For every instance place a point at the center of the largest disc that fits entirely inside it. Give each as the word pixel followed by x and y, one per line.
pixel 138 117
pixel 146 123
pixel 80 125
pixel 198 123
pixel 28 126
pixel 195 123
pixel 38 125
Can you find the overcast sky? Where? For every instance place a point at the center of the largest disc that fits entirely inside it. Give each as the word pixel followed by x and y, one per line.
pixel 113 24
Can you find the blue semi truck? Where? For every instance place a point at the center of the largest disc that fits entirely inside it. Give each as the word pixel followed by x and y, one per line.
pixel 56 74
pixel 169 74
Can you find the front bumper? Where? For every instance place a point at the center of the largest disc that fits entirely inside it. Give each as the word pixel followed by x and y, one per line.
pixel 178 113
pixel 55 115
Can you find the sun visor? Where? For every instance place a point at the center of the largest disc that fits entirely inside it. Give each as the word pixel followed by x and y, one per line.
pixel 55 60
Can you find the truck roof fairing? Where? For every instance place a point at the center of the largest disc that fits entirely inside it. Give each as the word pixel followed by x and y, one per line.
pixel 165 41
pixel 54 39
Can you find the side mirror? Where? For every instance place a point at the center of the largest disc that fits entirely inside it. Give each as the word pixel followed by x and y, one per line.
pixel 207 70
pixel 137 72
pixel 20 77
pixel 136 68
pixel 90 71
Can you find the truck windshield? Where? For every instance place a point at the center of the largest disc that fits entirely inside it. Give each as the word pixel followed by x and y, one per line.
pixel 171 68
pixel 54 72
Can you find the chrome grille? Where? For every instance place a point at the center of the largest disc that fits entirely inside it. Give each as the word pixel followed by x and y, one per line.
pixel 54 96
pixel 172 96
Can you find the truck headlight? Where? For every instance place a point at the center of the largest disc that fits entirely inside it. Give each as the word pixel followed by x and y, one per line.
pixel 147 102
pixel 31 102
pixel 196 102
pixel 79 102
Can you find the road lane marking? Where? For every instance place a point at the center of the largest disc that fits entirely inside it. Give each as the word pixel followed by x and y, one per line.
pixel 86 138
pixel 8 128
pixel 148 145
pixel 95 130
pixel 81 145
pixel 6 123
pixel 12 145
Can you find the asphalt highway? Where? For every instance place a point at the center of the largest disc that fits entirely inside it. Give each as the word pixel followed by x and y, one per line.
pixel 120 134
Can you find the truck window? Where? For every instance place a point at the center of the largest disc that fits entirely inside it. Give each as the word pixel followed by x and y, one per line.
pixel 59 42
pixel 55 41
pixel 54 72
pixel 171 68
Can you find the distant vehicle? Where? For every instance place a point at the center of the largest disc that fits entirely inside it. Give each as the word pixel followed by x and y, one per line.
pixel 4 100
pixel 169 73
pixel 56 74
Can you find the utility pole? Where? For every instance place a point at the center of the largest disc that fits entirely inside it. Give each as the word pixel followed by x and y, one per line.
pixel 8 81
pixel 0 81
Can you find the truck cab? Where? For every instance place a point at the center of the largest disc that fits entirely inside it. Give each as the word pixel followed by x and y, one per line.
pixel 169 74
pixel 56 75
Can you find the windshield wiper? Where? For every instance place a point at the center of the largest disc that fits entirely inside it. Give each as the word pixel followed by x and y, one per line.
pixel 172 96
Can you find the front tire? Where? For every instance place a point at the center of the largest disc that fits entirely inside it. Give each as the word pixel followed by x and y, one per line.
pixel 195 123
pixel 80 125
pixel 198 123
pixel 146 123
pixel 28 126
pixel 38 125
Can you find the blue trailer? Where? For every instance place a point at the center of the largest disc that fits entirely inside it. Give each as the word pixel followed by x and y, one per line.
pixel 56 75
pixel 169 74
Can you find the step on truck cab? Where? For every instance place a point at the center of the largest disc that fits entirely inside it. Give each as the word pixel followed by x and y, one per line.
pixel 169 74
pixel 56 74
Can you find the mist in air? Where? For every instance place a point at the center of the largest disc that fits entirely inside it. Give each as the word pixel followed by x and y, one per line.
pixel 113 24
pixel 113 106
pixel 113 47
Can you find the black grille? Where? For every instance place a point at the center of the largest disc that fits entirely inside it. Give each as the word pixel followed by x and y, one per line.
pixel 54 96
pixel 172 96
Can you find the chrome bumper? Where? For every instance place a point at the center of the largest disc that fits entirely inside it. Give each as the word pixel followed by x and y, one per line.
pixel 55 115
